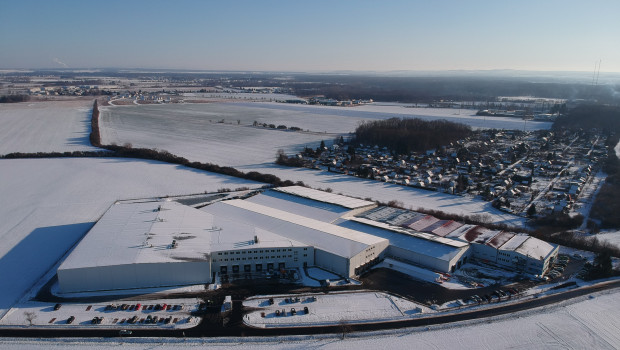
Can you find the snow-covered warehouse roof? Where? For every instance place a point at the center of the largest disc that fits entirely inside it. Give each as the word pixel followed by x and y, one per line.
pixel 142 233
pixel 529 246
pixel 535 248
pixel 135 233
pixel 310 208
pixel 322 235
pixel 322 196
pixel 423 243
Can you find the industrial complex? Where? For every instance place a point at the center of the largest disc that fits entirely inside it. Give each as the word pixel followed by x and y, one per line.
pixel 162 243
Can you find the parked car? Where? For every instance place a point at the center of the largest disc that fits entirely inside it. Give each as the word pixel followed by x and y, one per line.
pixel 57 306
pixel 70 319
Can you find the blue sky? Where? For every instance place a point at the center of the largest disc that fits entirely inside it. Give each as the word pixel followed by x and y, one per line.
pixel 312 35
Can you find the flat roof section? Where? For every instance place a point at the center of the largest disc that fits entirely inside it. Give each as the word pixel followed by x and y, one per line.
pixel 514 242
pixel 404 231
pixel 311 208
pixel 458 233
pixel 479 235
pixel 422 223
pixel 500 239
pixel 134 233
pixel 321 235
pixel 535 248
pixel 321 196
pixel 392 216
pixel 412 242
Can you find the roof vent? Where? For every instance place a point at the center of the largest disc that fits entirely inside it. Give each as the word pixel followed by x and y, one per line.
pixel 255 239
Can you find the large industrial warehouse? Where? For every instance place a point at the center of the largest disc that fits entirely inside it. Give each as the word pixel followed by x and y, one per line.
pixel 165 243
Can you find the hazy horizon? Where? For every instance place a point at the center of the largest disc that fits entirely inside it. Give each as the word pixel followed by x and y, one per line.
pixel 280 36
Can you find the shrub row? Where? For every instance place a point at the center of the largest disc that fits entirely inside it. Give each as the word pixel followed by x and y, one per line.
pixel 95 135
pixel 127 151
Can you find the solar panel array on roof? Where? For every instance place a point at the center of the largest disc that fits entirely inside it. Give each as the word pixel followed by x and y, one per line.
pixel 321 196
pixel 423 223
pixel 500 239
pixel 446 228
pixel 514 242
pixel 392 216
pixel 404 231
pixel 458 233
pixel 432 227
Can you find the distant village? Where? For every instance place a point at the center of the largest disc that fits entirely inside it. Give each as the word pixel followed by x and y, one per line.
pixel 524 173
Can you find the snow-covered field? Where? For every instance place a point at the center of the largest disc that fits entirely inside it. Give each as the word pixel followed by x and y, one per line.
pixel 332 115
pixel 187 130
pixel 585 323
pixel 60 126
pixel 612 237
pixel 193 131
pixel 48 204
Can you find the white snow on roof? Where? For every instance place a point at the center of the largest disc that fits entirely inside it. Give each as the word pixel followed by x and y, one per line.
pixel 321 196
pixel 321 235
pixel 143 233
pixel 422 235
pixel 230 234
pixel 535 248
pixel 409 241
pixel 134 233
pixel 460 231
pixel 514 242
pixel 301 206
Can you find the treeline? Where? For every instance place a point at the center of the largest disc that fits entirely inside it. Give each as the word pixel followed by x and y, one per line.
pixel 95 135
pixel 590 116
pixel 14 98
pixel 406 135
pixel 73 154
pixel 606 206
pixel 425 89
pixel 127 151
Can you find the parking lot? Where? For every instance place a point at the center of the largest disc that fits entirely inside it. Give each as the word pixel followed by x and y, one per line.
pixel 174 313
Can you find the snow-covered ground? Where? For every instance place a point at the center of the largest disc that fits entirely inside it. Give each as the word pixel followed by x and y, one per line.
pixel 321 274
pixel 612 237
pixel 47 205
pixel 354 115
pixel 583 323
pixel 60 126
pixel 193 131
pixel 330 309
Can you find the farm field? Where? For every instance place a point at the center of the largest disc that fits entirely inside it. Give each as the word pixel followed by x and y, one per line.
pixel 52 126
pixel 191 131
pixel 47 205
